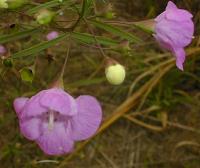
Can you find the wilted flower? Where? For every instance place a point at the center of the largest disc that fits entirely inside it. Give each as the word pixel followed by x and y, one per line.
pixel 55 120
pixel 52 35
pixel 174 30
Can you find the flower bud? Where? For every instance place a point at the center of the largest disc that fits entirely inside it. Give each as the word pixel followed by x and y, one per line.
pixel 3 4
pixel 104 9
pixel 115 73
pixel 2 50
pixel 110 15
pixel 44 16
pixel 52 35
pixel 13 4
pixel 124 48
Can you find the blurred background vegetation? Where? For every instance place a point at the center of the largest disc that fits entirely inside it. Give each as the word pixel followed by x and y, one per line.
pixel 152 120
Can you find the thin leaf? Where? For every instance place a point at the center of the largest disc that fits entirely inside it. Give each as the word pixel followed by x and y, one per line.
pixel 39 47
pixel 46 5
pixel 89 39
pixel 117 31
pixel 17 36
pixel 86 7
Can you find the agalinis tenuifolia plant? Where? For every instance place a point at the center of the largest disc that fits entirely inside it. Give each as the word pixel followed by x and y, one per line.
pixel 53 118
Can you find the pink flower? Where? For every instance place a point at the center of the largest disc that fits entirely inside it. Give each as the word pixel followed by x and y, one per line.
pixel 2 50
pixel 55 120
pixel 52 35
pixel 174 30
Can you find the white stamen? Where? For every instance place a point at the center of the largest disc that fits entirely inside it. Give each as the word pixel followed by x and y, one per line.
pixel 51 120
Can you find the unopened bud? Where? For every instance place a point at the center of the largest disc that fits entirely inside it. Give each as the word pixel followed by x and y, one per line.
pixel 52 35
pixel 44 16
pixel 13 4
pixel 125 45
pixel 3 4
pixel 124 48
pixel 109 15
pixel 115 73
pixel 2 50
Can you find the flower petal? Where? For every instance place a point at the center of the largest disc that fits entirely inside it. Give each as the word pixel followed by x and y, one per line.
pixel 56 141
pixel 58 100
pixel 176 14
pixel 180 57
pixel 19 104
pixel 171 5
pixel 88 119
pixel 31 128
pixel 179 15
pixel 160 17
pixel 179 35
pixel 163 41
pixel 33 107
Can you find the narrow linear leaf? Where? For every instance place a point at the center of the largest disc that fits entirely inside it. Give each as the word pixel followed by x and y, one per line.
pixel 39 47
pixel 89 39
pixel 117 31
pixel 17 36
pixel 46 5
pixel 86 7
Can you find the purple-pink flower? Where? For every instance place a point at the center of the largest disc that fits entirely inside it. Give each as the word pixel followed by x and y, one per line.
pixel 2 50
pixel 55 120
pixel 52 35
pixel 174 30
